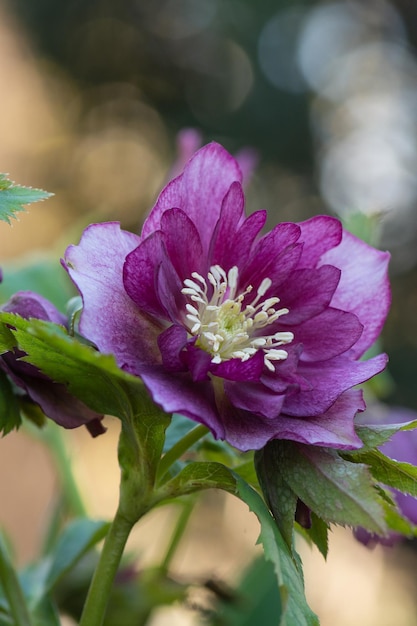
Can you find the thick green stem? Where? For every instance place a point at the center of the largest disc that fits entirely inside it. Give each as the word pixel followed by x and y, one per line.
pixel 12 589
pixel 179 448
pixel 99 592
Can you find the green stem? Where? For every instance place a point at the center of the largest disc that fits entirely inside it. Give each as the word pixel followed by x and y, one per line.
pixel 102 582
pixel 12 589
pixel 179 448
pixel 181 525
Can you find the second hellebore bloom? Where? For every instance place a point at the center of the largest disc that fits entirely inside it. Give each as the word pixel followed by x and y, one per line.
pixel 256 336
pixel 54 399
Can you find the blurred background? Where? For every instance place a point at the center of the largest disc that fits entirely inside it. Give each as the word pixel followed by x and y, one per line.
pixel 322 96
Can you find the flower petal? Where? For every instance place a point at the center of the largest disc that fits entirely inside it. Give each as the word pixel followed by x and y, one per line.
pixel 307 293
pixel 180 394
pixel 334 429
pixel 140 270
pixel 254 397
pixel 265 256
pixel 329 379
pixel 183 244
pixel 327 335
pixel 110 318
pixel 363 288
pixel 29 304
pixel 171 343
pixel 223 251
pixel 235 369
pixel 319 234
pixel 199 191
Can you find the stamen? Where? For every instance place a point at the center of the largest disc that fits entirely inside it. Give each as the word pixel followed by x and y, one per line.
pixel 224 326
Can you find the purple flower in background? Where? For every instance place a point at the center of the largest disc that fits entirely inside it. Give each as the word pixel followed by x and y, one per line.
pixel 401 447
pixel 256 336
pixel 54 399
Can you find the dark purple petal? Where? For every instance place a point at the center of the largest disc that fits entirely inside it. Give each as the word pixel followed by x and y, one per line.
pixel 265 255
pixel 327 335
pixel 179 394
pixel 246 236
pixel 307 293
pixel 140 272
pixel 364 287
pixel 199 191
pixel 255 398
pixel 183 244
pixel 110 318
pixel 168 287
pixel 235 369
pixel 199 363
pixel 58 404
pixel 333 429
pixel 286 376
pixel 329 379
pixel 319 234
pixel 171 343
pixel 223 245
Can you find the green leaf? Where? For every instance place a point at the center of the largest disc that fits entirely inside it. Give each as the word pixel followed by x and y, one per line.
pixel 7 341
pixel 396 474
pixel 14 197
pixel 337 490
pixel 206 475
pixel 12 589
pixel 91 376
pixel 177 429
pixel 375 435
pixel 198 476
pixel 77 539
pixel 318 534
pixel 9 406
pixel 286 566
pixel 281 499
pixel 46 613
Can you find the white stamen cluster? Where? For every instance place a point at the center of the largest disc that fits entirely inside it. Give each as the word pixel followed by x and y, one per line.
pixel 225 327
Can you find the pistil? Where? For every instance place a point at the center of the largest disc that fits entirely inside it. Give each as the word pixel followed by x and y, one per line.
pixel 224 326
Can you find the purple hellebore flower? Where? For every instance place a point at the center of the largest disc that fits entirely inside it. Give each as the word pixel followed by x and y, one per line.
pixel 53 398
pixel 256 336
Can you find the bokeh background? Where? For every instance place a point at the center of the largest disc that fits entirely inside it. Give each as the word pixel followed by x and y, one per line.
pixel 95 96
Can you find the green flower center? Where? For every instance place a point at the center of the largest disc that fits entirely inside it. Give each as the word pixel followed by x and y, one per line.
pixel 225 327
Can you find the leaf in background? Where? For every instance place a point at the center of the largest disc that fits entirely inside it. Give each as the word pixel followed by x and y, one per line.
pixel 77 539
pixel 46 614
pixel 255 601
pixel 41 274
pixel 9 406
pixel 14 197
pixel 178 427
